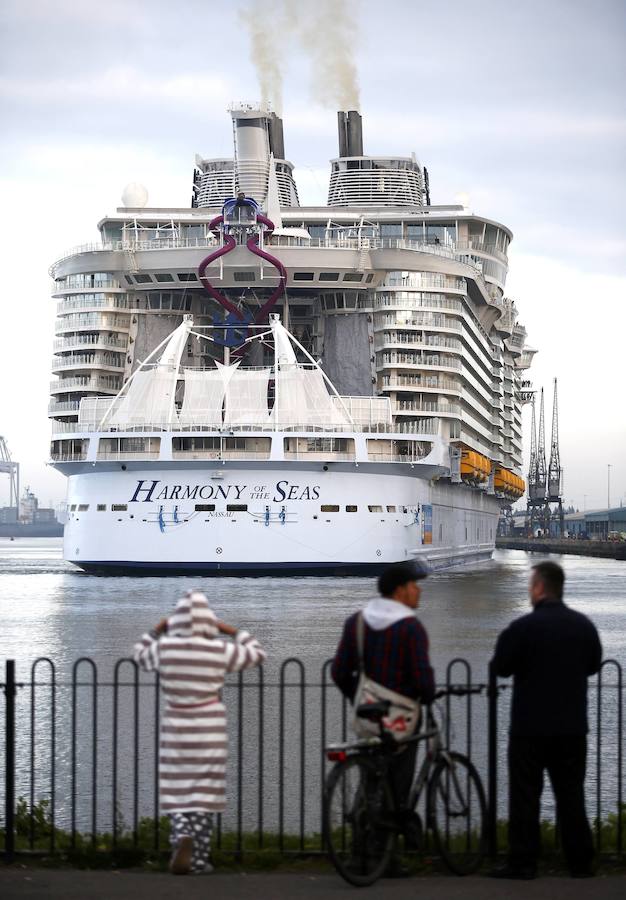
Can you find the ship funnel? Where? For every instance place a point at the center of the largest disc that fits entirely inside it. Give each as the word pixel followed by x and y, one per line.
pixel 350 133
pixel 277 140
pixel 355 134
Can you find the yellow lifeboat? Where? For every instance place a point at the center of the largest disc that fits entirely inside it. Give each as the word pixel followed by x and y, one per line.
pixel 508 483
pixel 475 468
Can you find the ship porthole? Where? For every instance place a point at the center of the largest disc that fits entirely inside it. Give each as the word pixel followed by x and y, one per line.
pixel 218 549
pixel 379 553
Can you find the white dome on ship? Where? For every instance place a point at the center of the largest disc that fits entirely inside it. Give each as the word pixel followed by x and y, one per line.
pixel 135 195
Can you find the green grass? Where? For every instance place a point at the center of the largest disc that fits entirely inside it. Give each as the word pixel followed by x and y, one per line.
pixel 249 850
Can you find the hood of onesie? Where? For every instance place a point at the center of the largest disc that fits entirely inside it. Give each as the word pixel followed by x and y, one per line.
pixel 193 617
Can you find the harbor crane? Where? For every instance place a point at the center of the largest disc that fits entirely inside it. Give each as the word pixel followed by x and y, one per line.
pixel 545 483
pixel 12 469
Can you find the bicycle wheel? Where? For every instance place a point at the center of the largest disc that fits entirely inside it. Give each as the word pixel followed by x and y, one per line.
pixel 457 813
pixel 359 821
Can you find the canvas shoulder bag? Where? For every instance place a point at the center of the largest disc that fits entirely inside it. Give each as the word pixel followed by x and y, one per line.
pixel 404 712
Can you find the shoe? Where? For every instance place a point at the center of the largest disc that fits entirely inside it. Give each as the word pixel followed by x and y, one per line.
pixel 395 869
pixel 582 873
pixel 516 873
pixel 205 871
pixel 180 863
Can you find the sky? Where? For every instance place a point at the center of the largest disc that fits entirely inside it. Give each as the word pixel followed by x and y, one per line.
pixel 520 107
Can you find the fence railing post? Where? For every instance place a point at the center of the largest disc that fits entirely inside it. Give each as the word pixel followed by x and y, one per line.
pixel 492 763
pixel 10 691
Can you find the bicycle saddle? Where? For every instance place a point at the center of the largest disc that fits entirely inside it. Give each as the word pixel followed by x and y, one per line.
pixel 373 711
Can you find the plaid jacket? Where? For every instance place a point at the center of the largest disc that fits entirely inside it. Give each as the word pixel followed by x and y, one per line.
pixel 396 657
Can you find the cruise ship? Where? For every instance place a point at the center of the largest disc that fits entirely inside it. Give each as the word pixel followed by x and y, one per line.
pixel 250 386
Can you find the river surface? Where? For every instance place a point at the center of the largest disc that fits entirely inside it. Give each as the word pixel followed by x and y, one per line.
pixel 50 609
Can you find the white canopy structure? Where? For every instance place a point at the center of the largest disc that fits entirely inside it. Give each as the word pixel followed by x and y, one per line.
pixel 226 395
pixel 203 399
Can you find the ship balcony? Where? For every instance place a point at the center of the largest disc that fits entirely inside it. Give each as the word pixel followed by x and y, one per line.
pixel 496 373
pixel 87 303
pixel 481 247
pixel 418 426
pixel 88 361
pixel 63 408
pixel 92 322
pixel 495 403
pixel 428 363
pixel 410 408
pixel 91 341
pixel 401 299
pixel 391 342
pixel 103 385
pixel 442 386
pixel 429 322
pixel 59 292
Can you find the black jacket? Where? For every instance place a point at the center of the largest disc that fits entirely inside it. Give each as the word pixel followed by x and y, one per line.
pixel 550 653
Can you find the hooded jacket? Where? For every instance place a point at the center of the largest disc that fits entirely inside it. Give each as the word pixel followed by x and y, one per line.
pixel 395 651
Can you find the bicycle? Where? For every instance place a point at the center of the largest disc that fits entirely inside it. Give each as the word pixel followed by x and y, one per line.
pixel 361 821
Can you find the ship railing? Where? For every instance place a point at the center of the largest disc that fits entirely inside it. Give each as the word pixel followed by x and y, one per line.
pixel 338 243
pixel 224 430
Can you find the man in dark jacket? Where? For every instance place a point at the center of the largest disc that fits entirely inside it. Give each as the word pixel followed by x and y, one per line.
pixel 395 654
pixel 551 652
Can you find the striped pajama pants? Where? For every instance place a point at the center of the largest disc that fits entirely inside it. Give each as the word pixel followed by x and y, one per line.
pixel 198 826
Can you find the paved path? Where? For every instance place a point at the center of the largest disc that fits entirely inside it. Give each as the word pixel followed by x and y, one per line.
pixel 71 884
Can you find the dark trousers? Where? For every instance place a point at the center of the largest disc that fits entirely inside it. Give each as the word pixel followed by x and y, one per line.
pixel 401 771
pixel 564 758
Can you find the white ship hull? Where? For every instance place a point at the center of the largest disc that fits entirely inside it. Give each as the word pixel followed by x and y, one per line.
pixel 276 519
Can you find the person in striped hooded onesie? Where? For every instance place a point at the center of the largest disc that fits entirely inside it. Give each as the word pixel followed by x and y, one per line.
pixel 192 661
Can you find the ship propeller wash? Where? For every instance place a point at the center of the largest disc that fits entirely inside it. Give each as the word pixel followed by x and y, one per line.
pixel 249 386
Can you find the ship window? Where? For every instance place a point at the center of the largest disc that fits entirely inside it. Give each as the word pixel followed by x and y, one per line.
pixel 128 279
pixel 351 508
pixel 164 276
pixel 237 507
pixel 391 509
pixel 83 507
pixel 303 276
pixel 102 507
pixel 329 507
pixel 441 532
pixel 329 276
pixel 353 276
pixel 370 277
pixel 391 230
pixel 187 276
pixel 73 507
pixel 375 508
pixel 244 276
pixel 143 279
pixel 119 507
pixel 205 507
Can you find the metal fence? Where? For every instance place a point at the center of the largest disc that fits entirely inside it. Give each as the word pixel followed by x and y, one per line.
pixel 79 757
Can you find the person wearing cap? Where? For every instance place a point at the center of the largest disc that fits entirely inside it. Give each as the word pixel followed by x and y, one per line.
pixel 395 654
pixel 192 660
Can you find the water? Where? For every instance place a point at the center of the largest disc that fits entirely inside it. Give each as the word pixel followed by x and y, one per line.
pixel 49 608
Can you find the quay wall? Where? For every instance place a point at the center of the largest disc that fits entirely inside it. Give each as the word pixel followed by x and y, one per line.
pixel 605 549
